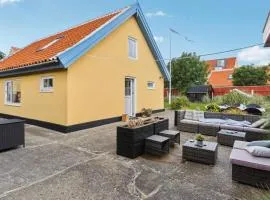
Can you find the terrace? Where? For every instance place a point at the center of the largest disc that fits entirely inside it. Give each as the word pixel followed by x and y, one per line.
pixel 84 165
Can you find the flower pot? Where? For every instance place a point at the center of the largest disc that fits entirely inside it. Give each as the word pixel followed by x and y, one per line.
pixel 125 118
pixel 199 143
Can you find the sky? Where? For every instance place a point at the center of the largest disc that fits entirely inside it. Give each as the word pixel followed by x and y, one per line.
pixel 205 26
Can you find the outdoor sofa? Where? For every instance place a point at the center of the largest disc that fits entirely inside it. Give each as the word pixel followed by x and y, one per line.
pixel 210 123
pixel 11 133
pixel 249 169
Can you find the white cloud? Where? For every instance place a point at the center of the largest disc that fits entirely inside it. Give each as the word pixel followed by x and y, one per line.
pixel 4 2
pixel 156 14
pixel 255 55
pixel 159 39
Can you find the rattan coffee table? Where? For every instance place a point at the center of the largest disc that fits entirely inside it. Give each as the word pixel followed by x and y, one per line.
pixel 206 154
pixel 228 137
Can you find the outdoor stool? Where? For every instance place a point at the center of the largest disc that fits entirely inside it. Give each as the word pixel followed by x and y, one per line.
pixel 157 145
pixel 173 135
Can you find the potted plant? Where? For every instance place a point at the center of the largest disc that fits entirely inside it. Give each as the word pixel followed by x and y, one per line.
pixel 199 140
pixel 131 136
pixel 147 112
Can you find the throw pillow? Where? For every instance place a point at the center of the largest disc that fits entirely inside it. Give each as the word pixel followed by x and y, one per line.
pixel 259 151
pixel 258 123
pixel 197 115
pixel 261 143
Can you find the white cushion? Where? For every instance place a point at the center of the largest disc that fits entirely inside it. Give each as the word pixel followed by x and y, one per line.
pixel 259 151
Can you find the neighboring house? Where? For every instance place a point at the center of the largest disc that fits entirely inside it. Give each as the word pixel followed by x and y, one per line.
pixel 86 76
pixel 220 71
pixel 13 50
pixel 266 32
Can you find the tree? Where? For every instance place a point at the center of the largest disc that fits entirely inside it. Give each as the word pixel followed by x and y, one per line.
pixel 250 75
pixel 187 71
pixel 2 55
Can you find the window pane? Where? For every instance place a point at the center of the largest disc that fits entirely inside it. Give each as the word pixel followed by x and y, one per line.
pixel 132 48
pixel 16 92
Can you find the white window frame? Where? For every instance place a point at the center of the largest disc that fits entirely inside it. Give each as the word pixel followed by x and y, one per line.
pixel 220 67
pixel 230 77
pixel 46 89
pixel 5 94
pixel 153 87
pixel 136 46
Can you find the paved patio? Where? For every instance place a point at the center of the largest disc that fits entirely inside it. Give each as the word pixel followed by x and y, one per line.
pixel 84 165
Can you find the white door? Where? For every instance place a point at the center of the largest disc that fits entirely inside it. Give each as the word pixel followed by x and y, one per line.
pixel 130 96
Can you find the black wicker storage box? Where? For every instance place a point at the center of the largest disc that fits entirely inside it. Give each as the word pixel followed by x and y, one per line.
pixel 11 133
pixel 160 125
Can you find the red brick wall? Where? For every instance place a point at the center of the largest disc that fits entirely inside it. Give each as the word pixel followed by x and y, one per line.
pixel 259 90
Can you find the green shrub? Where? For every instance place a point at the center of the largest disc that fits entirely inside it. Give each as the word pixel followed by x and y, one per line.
pixel 213 108
pixel 217 100
pixel 180 102
pixel 235 111
pixel 256 99
pixel 234 98
pixel 206 99
pixel 199 137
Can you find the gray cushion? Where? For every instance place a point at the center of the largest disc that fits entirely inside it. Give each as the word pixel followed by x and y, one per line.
pixel 259 151
pixel 230 127
pixel 189 115
pixel 187 121
pixel 240 144
pixel 258 123
pixel 243 158
pixel 197 115
pixel 260 143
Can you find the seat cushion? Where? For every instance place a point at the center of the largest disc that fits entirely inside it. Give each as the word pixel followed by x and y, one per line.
pixel 187 121
pixel 240 144
pixel 230 127
pixel 258 151
pixel 243 158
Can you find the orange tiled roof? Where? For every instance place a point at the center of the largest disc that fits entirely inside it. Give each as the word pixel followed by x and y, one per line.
pixel 35 53
pixel 221 78
pixel 229 63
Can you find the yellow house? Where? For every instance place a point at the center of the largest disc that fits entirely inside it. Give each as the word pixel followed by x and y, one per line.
pixel 86 76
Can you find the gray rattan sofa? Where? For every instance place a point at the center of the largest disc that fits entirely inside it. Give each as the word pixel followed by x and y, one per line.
pixel 196 126
pixel 249 169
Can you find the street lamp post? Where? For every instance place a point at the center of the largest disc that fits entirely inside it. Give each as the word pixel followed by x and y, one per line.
pixel 170 66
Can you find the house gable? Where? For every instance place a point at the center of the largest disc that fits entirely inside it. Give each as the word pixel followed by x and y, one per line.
pixel 74 53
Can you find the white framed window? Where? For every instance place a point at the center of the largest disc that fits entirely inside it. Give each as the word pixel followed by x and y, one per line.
pixel 151 85
pixel 13 92
pixel 132 48
pixel 220 64
pixel 46 84
pixel 230 77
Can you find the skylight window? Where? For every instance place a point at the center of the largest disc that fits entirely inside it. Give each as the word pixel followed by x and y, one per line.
pixel 51 43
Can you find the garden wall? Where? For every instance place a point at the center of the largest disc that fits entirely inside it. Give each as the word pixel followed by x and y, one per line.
pixel 258 90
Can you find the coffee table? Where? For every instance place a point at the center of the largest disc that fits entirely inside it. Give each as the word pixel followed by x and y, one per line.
pixel 228 137
pixel 173 135
pixel 206 154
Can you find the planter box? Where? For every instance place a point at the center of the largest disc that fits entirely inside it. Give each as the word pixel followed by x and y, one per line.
pixel 131 141
pixel 160 125
pixel 11 133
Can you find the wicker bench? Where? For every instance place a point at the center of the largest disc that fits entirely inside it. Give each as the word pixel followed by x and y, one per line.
pixel 173 135
pixel 206 154
pixel 157 145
